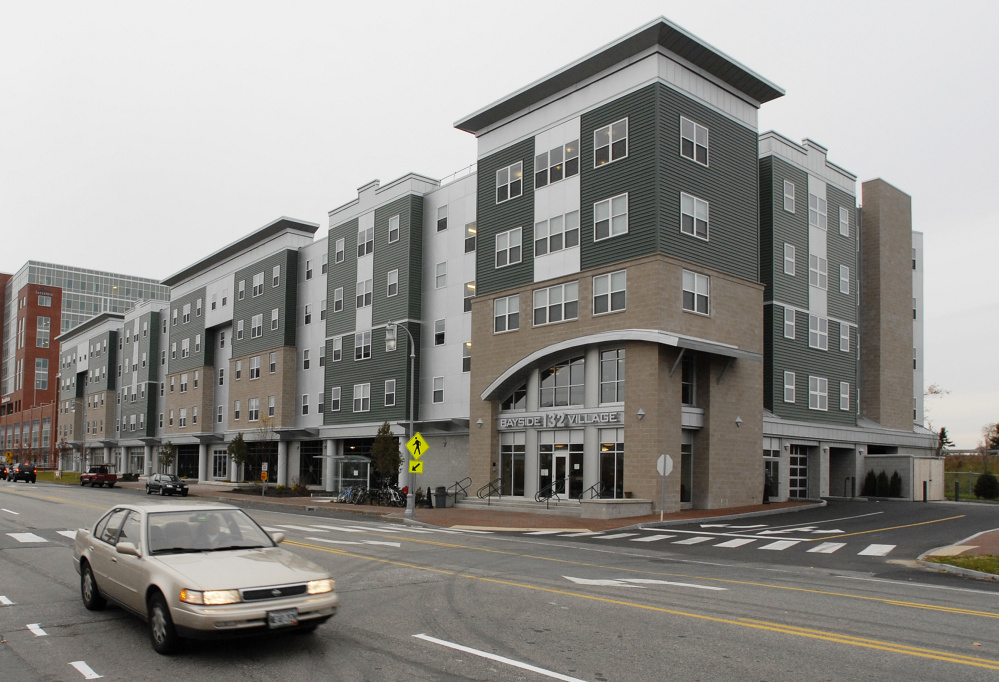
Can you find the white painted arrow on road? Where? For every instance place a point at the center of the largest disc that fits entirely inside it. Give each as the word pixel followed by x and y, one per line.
pixel 602 583
pixel 806 529
pixel 638 582
pixel 831 530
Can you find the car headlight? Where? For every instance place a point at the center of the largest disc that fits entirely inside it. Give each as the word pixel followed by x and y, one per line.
pixel 210 597
pixel 320 586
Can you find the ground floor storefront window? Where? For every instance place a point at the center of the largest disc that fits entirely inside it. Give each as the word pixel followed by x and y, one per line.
pixel 560 462
pixel 612 463
pixel 798 472
pixel 512 463
pixel 220 464
pixel 687 466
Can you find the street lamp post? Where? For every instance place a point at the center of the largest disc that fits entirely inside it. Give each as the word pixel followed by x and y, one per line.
pixel 393 327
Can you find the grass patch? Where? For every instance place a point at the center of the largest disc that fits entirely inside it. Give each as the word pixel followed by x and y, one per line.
pixel 986 563
pixel 68 477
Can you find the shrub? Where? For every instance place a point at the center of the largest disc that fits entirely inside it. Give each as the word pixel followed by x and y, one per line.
pixel 987 487
pixel 895 485
pixel 299 488
pixel 882 484
pixel 870 485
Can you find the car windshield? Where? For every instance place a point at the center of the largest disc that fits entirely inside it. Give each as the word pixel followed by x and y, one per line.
pixel 171 478
pixel 209 530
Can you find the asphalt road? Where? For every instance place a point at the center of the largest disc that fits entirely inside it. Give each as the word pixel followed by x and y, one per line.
pixel 430 604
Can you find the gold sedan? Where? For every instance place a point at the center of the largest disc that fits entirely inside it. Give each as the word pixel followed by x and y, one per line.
pixel 199 572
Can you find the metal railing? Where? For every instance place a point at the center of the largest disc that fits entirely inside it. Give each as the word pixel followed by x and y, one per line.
pixel 460 487
pixel 549 491
pixel 595 490
pixel 487 491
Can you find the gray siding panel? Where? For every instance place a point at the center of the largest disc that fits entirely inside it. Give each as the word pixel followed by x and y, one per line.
pixel 842 251
pixel 790 228
pixel 190 330
pixel 342 275
pixel 284 297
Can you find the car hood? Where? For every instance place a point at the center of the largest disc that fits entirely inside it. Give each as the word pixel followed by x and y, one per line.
pixel 242 568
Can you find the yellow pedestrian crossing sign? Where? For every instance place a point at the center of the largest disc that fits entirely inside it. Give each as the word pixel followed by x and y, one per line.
pixel 417 446
pixel 9 456
pixel 416 467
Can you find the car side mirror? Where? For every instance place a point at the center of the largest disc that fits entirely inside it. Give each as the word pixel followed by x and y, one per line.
pixel 278 537
pixel 127 548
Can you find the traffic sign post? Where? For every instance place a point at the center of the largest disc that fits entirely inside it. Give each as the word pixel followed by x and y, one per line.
pixel 263 479
pixel 417 446
pixel 9 456
pixel 415 467
pixel 665 466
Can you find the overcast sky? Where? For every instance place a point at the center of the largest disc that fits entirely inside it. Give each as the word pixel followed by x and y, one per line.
pixel 140 137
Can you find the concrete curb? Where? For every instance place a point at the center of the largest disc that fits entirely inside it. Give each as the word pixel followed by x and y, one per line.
pixel 957 570
pixel 729 517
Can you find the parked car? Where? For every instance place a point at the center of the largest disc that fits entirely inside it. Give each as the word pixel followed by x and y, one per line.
pixel 200 572
pixel 23 472
pixel 166 484
pixel 3 472
pixel 99 475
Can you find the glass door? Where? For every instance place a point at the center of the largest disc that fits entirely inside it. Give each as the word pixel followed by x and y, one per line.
pixel 220 465
pixel 797 479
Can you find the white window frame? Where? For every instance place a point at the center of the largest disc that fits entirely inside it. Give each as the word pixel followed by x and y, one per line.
pixel 844 395
pixel 362 397
pixel 438 390
pixel 258 284
pixel 510 245
pixel 788 323
pixel 442 218
pixel 365 241
pixel 440 275
pixel 556 234
pixel 255 367
pixel 818 332
pixel 844 337
pixel 844 221
pixel 818 271
pixel 257 326
pixel 389 393
pixel 392 284
pixel 339 251
pixel 509 182
pixel 364 293
pixel 275 314
pixel 558 298
pixel 308 313
pixel 611 214
pixel 362 345
pixel 690 132
pixel 789 196
pixel 337 348
pixel 699 287
pixel 610 292
pixel 440 332
pixel 338 299
pixel 818 393
pixel 335 399
pixel 276 273
pixel 817 208
pixel 699 212
pixel 789 387
pixel 556 161
pixel 605 137
pixel 789 259
pixel 503 310
pixel 393 229
pixel 844 279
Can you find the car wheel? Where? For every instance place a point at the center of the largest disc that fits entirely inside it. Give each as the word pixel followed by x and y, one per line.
pixel 162 492
pixel 92 598
pixel 110 485
pixel 148 491
pixel 82 483
pixel 184 494
pixel 33 481
pixel 161 630
pixel 93 483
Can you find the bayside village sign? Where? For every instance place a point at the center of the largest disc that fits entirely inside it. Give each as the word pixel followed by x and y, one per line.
pixel 562 420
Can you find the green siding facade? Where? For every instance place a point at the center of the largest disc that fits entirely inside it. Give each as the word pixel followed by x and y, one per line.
pixel 284 297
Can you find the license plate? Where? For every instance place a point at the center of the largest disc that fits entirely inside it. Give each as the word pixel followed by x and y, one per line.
pixel 282 619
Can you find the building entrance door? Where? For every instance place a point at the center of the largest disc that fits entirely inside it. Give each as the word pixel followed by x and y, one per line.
pixel 797 479
pixel 560 456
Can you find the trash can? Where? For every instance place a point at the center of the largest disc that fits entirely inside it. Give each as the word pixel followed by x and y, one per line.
pixel 440 497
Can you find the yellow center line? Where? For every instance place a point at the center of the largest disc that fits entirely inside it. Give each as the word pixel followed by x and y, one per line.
pixel 879 530
pixel 18 493
pixel 820 635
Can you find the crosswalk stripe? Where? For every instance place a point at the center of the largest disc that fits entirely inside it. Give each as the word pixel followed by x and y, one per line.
pixel 876 550
pixel 71 534
pixel 693 541
pixel 615 536
pixel 37 630
pixel 340 528
pixel 271 530
pixel 85 670
pixel 543 532
pixel 828 547
pixel 738 542
pixel 583 534
pixel 5 600
pixel 27 537
pixel 781 545
pixel 305 528
pixel 652 538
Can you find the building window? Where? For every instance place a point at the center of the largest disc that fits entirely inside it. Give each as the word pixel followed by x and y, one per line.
pixel 219 414
pixel 239 370
pixel 470 237
pixel 693 141
pixel 271 405
pixel 362 397
pixel 610 143
pixel 844 226
pixel 221 376
pixel 338 254
pixel 322 355
pixel 389 392
pixel 43 332
pixel 610 217
pixel 364 293
pixel 440 275
pixel 187 313
pixel 789 259
pixel 258 284
pixel 557 164
pixel 469 293
pixel 322 309
pixel 506 314
pixel 557 303
pixel 696 292
pixel 508 247
pixel 257 326
pixel 306 362
pixel 41 374
pixel 253 409
pixel 438 389
pixel 335 399
pixel 818 332
pixel 466 356
pixel 818 272
pixel 788 387
pixel 844 337
pixel 788 323
pixel 612 376
pixel 688 380
pixel 393 232
pixel 555 234
pixel 197 375
pixel 509 184
pixel 693 216
pixel 240 293
pixel 439 328
pixel 272 359
pixel 362 345
pixel 365 241
pixel 183 417
pixel 844 395
pixel 337 348
pixel 789 196
pixel 816 211
pixel 844 279
pixel 562 384
pixel 308 271
pixel 308 313
pixel 818 393
pixel 338 299
pixel 222 339
pixel 255 367
pixel 393 283
pixel 610 292
pixel 197 346
pixel 305 404
pixel 239 330
pixel 235 410
pixel 274 319
pixel 44 301
pixel 194 415
pixel 185 348
pixel 325 264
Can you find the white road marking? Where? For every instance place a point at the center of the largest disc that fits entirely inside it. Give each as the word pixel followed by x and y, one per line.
pixel 356 542
pixel 382 542
pixel 876 550
pixel 5 601
pixel 599 582
pixel 738 542
pixel 583 534
pixel 615 536
pixel 340 528
pixel 37 629
pixel 693 541
pixel 780 545
pixel 649 581
pixel 827 547
pixel 71 534
pixel 85 670
pixel 499 659
pixel 652 538
pixel 806 529
pixel 271 530
pixel 545 532
pixel 830 531
pixel 27 537
pixel 9 511
pixel 305 528
pixel 409 530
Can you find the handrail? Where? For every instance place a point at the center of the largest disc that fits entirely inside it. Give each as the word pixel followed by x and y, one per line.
pixel 548 492
pixel 460 486
pixel 595 490
pixel 486 491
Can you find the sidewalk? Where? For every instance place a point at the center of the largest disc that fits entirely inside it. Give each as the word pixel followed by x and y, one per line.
pixel 473 519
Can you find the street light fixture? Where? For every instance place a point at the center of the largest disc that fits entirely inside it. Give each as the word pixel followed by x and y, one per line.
pixel 391 333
